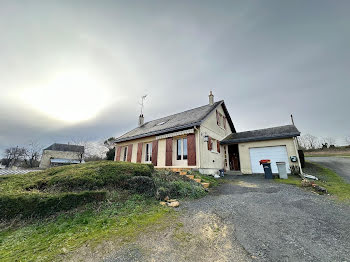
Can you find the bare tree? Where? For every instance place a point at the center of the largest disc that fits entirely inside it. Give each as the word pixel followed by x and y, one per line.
pixel 14 154
pixel 347 140
pixel 328 140
pixel 309 141
pixel 33 154
pixel 93 150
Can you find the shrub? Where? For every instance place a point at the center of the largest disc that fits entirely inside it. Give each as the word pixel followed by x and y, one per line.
pixel 39 205
pixel 141 185
pixel 90 176
pixel 174 185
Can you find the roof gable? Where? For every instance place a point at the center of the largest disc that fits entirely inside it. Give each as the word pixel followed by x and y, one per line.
pixel 179 121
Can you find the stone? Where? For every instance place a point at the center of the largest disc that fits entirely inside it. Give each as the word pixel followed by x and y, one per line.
pixel 305 183
pixel 173 204
pixel 162 203
pixel 320 189
pixel 172 200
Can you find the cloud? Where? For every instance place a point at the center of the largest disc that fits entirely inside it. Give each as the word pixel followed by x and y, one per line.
pixel 266 60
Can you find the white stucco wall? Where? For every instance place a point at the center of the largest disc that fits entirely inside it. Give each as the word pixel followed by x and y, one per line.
pixel 244 154
pixel 48 154
pixel 211 161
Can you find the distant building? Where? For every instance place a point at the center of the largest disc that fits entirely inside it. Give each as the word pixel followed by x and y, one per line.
pixel 61 154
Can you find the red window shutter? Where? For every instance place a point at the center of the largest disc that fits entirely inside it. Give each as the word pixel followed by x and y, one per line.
pixel 117 155
pixel 154 152
pixel 209 143
pixel 218 146
pixel 191 149
pixel 139 152
pixel 129 153
pixel 224 122
pixel 169 152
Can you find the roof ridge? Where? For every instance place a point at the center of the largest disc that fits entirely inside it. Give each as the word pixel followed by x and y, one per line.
pixel 182 112
pixel 263 128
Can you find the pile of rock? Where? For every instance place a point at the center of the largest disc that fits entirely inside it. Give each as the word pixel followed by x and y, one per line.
pixel 306 183
pixel 170 202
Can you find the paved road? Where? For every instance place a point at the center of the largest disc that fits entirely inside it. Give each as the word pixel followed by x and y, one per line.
pixel 340 165
pixel 252 219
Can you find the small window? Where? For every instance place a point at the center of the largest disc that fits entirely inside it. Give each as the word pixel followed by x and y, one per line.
pixel 125 153
pixel 148 155
pixel 181 149
pixel 184 153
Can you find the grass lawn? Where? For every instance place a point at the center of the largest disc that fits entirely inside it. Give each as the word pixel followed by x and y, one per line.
pixel 89 204
pixel 335 184
pixel 50 239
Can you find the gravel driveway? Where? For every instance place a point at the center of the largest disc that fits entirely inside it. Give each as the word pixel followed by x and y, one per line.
pixel 250 219
pixel 340 165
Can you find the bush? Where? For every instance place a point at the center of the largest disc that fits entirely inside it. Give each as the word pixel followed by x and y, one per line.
pixel 39 205
pixel 141 185
pixel 90 176
pixel 174 185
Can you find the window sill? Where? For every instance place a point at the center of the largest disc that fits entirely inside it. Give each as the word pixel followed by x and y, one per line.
pixel 215 152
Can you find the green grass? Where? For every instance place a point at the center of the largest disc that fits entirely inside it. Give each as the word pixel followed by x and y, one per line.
pixel 50 239
pixel 292 180
pixel 49 215
pixel 333 182
pixel 335 185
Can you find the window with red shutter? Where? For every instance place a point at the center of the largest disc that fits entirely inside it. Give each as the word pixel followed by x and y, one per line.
pixel 224 122
pixel 218 146
pixel 210 143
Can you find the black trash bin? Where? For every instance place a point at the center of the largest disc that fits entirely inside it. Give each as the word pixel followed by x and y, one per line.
pixel 267 168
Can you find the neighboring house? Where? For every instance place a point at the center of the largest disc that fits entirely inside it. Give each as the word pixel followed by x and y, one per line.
pixel 61 154
pixel 205 138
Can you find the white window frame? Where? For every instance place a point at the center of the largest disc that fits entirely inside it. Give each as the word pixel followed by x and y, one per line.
pixel 125 153
pixel 148 155
pixel 183 139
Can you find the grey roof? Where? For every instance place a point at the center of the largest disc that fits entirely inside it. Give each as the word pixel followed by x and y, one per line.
pixel 64 161
pixel 262 134
pixel 66 147
pixel 176 122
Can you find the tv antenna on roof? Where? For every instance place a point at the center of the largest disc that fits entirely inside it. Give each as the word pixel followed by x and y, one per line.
pixel 141 104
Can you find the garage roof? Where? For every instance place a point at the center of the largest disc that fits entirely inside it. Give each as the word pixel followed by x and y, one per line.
pixel 261 134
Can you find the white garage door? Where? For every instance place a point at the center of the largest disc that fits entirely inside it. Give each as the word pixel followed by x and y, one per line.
pixel 274 153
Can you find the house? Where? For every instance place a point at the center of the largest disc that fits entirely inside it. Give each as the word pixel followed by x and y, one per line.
pixel 61 154
pixel 205 139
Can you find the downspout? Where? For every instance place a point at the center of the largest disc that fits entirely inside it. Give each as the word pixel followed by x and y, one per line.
pixel 199 147
pixel 296 150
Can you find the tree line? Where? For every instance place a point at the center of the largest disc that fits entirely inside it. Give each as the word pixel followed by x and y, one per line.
pixel 29 156
pixel 311 142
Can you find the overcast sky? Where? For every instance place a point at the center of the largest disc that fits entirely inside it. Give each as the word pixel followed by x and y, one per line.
pixel 77 69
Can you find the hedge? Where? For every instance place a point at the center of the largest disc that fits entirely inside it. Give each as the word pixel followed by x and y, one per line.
pixel 39 205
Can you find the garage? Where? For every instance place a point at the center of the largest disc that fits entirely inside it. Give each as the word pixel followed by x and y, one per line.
pixel 279 144
pixel 274 153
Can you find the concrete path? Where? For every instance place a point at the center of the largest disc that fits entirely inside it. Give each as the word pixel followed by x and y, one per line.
pixel 340 165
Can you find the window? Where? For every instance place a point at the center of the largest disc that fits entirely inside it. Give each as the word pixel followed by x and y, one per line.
pixel 125 153
pixel 148 154
pixel 181 149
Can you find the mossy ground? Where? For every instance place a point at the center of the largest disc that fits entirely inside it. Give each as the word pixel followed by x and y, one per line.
pixel 335 185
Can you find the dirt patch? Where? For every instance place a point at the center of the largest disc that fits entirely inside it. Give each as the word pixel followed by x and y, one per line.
pixel 194 237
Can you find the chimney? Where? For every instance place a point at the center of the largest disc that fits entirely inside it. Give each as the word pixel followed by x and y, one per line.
pixel 141 120
pixel 211 98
